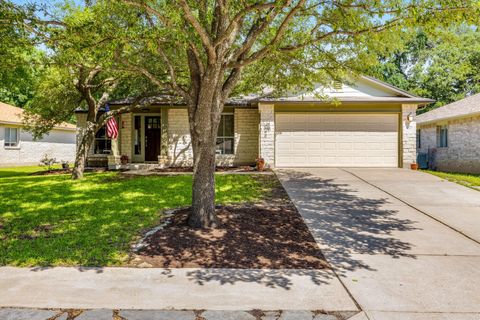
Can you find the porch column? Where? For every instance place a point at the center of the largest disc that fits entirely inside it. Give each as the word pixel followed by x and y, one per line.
pixel 266 142
pixel 409 134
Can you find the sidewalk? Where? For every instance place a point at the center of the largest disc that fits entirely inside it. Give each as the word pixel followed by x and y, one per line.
pixel 190 289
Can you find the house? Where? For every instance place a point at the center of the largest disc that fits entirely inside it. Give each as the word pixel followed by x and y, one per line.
pixel 452 134
pixel 17 146
pixel 365 123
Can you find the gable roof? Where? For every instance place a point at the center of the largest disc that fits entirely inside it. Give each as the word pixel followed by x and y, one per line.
pixel 362 89
pixel 13 115
pixel 467 107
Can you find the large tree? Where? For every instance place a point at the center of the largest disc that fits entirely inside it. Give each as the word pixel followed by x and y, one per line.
pixel 442 64
pixel 203 51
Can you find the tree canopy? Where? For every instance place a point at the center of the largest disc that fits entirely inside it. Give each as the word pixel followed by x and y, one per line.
pixel 443 65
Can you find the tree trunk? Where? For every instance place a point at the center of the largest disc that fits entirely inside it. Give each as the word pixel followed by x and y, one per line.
pixel 204 118
pixel 203 187
pixel 84 144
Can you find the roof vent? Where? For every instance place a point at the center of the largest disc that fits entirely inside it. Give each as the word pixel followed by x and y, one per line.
pixel 337 85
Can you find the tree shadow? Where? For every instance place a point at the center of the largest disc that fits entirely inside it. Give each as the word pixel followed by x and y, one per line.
pixel 345 223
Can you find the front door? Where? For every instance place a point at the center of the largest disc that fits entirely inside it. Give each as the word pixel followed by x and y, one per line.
pixel 152 138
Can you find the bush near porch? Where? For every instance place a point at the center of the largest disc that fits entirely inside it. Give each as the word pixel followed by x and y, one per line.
pixel 55 221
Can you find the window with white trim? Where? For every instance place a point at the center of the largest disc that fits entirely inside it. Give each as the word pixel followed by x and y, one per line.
pixel 103 144
pixel 226 135
pixel 11 137
pixel 442 136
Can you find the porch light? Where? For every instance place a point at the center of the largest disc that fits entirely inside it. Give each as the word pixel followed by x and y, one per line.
pixel 410 117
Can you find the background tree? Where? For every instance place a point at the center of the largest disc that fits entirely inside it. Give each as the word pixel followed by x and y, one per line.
pixel 21 62
pixel 442 64
pixel 204 51
pixel 79 74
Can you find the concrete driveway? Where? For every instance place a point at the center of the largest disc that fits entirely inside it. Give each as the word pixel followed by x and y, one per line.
pixel 405 244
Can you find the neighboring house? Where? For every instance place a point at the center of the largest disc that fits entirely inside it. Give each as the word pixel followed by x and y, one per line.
pixel 17 147
pixel 452 133
pixel 370 124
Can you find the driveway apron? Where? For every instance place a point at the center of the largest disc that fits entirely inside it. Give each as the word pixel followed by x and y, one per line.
pixel 404 243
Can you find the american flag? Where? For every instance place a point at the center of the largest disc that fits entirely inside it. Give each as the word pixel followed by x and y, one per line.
pixel 112 127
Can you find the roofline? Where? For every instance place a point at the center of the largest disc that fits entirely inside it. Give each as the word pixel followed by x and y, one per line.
pixel 392 87
pixel 355 101
pixel 460 116
pixel 19 124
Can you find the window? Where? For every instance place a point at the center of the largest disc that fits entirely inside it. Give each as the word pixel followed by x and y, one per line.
pixel 11 137
pixel 419 138
pixel 152 122
pixel 103 144
pixel 138 135
pixel 225 135
pixel 442 136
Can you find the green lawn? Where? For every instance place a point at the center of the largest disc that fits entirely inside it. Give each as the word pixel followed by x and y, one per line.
pixel 52 220
pixel 22 171
pixel 469 180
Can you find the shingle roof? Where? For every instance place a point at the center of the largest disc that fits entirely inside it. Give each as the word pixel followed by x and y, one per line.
pixel 13 115
pixel 461 108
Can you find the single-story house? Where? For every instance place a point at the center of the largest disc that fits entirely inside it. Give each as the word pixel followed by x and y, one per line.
pixel 17 146
pixel 363 123
pixel 452 134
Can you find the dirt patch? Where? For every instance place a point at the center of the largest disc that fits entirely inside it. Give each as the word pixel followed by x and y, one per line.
pixel 266 235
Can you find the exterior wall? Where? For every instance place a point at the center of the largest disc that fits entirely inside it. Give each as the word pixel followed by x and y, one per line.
pixel 267 134
pixel 409 135
pixel 59 144
pixel 246 139
pixel 126 131
pixel 179 142
pixel 463 151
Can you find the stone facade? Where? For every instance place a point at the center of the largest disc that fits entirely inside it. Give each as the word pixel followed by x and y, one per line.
pixel 125 135
pixel 266 136
pixel 246 139
pixel 409 135
pixel 463 151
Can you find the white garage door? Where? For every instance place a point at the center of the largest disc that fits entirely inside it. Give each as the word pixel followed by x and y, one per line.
pixel 336 140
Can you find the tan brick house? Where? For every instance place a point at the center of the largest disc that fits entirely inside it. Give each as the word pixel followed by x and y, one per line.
pixel 452 132
pixel 366 123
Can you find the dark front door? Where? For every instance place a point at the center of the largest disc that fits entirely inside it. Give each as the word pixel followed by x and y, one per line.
pixel 152 138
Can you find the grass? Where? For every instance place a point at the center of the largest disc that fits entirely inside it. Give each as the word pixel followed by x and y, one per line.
pixel 22 171
pixel 55 221
pixel 465 179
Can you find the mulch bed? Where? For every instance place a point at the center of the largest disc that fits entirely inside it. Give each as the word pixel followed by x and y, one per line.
pixel 217 169
pixel 267 235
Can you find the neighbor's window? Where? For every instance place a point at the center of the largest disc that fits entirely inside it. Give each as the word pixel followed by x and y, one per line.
pixel 225 136
pixel 419 139
pixel 442 136
pixel 11 137
pixel 138 136
pixel 103 144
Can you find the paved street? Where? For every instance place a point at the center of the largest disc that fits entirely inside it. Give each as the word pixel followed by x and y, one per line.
pixel 105 314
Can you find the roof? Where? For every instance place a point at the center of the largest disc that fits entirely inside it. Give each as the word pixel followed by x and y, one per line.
pixel 362 89
pixel 462 108
pixel 13 115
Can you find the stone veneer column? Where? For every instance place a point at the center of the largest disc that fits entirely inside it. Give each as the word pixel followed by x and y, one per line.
pixel 126 141
pixel 409 135
pixel 266 142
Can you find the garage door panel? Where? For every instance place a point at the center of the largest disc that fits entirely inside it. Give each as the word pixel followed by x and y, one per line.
pixel 353 140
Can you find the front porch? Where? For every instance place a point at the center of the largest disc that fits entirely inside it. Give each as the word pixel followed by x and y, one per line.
pixel 159 137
